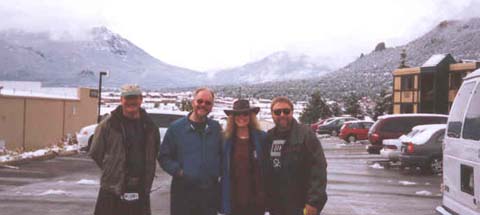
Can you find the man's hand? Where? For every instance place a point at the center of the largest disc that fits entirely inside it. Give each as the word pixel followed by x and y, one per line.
pixel 310 210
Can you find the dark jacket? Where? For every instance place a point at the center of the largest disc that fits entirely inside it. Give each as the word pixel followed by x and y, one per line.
pixel 302 177
pixel 108 151
pixel 258 138
pixel 197 154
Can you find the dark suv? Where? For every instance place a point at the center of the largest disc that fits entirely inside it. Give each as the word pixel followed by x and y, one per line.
pixel 394 126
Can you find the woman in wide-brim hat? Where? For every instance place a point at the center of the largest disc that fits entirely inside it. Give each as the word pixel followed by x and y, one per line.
pixel 242 180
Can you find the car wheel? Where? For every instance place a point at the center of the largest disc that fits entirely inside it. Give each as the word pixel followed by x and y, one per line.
pixel 436 165
pixel 351 139
pixel 334 133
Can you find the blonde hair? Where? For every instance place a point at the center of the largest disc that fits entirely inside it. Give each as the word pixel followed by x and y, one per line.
pixel 232 127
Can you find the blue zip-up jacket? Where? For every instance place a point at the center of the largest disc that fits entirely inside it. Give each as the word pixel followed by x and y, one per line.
pixel 258 138
pixel 197 154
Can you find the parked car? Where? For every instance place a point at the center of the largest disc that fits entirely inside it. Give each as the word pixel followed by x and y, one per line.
pixel 395 125
pixel 161 118
pixel 461 153
pixel 391 148
pixel 332 125
pixel 424 148
pixel 315 125
pixel 351 131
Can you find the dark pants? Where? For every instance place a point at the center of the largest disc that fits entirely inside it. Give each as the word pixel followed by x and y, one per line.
pixel 189 199
pixel 111 204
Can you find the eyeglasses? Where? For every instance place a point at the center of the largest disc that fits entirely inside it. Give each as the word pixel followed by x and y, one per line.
pixel 201 101
pixel 278 112
pixel 241 114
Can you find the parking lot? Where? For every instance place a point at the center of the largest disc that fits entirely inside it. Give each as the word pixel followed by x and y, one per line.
pixel 357 184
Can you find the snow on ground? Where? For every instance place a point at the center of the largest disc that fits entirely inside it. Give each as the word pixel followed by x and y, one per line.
pixel 423 193
pixel 14 156
pixel 88 182
pixel 54 192
pixel 376 166
pixel 33 154
pixel 407 183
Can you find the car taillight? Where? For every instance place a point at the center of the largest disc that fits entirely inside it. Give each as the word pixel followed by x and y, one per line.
pixel 391 147
pixel 410 148
pixel 374 138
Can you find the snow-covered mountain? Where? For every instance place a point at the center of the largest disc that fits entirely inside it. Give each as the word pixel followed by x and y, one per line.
pixel 372 72
pixel 279 66
pixel 62 61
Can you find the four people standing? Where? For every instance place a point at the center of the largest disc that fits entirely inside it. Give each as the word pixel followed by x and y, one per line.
pixel 242 172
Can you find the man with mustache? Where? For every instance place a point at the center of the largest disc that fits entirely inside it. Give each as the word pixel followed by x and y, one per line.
pixel 296 168
pixel 125 147
pixel 190 153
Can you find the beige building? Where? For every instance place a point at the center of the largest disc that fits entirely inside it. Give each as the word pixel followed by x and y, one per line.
pixel 430 88
pixel 35 118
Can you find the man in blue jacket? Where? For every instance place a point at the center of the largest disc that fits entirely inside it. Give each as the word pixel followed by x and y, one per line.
pixel 190 153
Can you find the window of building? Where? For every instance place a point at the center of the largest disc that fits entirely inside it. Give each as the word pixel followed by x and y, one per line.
pixel 407 82
pixel 406 108
pixel 458 110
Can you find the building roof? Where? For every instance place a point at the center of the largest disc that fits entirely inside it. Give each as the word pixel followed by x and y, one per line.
pixel 434 60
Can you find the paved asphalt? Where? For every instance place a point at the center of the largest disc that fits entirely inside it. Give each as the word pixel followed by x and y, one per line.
pixel 69 186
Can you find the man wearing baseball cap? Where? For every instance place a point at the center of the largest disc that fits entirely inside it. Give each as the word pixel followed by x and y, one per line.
pixel 125 147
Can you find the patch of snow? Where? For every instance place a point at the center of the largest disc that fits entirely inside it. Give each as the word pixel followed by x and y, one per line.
pixel 54 192
pixel 376 166
pixel 75 147
pixel 37 153
pixel 407 183
pixel 87 182
pixel 5 158
pixel 427 183
pixel 423 193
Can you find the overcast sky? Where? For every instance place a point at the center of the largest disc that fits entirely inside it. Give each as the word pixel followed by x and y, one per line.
pixel 213 34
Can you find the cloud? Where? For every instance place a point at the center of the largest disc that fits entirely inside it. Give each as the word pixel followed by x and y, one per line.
pixel 213 34
pixel 64 17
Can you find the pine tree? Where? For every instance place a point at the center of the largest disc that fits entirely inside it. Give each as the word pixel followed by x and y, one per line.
pixel 316 108
pixel 336 110
pixel 383 104
pixel 351 105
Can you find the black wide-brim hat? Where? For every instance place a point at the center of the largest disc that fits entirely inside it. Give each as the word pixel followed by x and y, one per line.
pixel 242 106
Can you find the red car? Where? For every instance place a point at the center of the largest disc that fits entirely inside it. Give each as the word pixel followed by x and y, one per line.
pixel 352 131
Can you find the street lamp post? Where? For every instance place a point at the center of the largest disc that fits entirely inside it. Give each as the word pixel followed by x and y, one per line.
pixel 102 73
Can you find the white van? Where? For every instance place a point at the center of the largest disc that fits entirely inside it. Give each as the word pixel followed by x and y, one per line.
pixel 461 155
